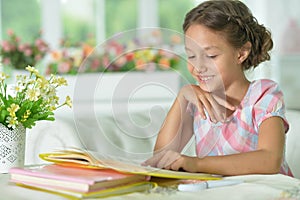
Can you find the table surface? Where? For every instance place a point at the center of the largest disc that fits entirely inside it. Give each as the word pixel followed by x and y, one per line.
pixel 264 187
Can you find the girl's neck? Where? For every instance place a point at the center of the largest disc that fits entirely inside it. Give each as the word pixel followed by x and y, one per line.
pixel 236 92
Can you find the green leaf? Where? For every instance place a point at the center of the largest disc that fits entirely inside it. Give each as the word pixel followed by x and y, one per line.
pixel 29 123
pixel 3 99
pixel 36 106
pixel 50 119
pixel 3 115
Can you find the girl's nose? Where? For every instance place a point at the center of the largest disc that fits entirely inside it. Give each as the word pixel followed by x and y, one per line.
pixel 200 68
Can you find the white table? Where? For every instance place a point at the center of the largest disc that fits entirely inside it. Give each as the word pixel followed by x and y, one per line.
pixel 258 187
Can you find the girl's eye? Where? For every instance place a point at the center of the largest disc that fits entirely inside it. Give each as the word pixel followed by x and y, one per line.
pixel 212 57
pixel 191 57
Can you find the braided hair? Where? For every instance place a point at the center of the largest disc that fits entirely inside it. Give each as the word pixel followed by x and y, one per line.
pixel 235 21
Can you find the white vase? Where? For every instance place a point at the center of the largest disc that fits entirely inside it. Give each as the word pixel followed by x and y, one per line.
pixel 12 147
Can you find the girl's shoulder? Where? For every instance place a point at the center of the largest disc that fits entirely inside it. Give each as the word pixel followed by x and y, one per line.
pixel 263 89
pixel 264 84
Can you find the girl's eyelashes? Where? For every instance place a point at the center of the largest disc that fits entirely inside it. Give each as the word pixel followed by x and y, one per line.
pixel 208 56
pixel 212 56
pixel 191 57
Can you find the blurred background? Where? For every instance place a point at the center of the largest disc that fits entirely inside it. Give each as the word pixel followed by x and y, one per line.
pixel 70 23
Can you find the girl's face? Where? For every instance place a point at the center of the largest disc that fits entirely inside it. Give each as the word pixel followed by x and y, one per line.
pixel 212 61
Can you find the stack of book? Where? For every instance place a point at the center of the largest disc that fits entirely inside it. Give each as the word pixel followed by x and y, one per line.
pixel 82 174
pixel 79 182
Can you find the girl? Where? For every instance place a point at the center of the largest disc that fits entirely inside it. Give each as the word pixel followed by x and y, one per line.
pixel 239 126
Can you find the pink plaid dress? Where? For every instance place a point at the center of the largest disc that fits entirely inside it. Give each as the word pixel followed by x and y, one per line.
pixel 240 133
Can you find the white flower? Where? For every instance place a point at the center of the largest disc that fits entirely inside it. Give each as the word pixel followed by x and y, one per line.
pixel 68 101
pixel 3 76
pixel 18 88
pixel 13 109
pixel 12 122
pixel 33 94
pixel 32 70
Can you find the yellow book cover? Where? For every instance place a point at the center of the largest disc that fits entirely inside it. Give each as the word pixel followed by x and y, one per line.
pixel 83 158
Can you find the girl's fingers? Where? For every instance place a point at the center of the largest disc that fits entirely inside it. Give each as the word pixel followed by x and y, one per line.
pixel 154 159
pixel 224 103
pixel 208 107
pixel 168 158
pixel 201 110
pixel 219 111
pixel 213 104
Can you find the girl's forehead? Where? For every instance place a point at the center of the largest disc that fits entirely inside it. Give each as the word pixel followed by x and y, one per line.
pixel 198 36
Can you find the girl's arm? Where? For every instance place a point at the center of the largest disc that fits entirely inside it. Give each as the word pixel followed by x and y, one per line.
pixel 178 125
pixel 177 128
pixel 265 160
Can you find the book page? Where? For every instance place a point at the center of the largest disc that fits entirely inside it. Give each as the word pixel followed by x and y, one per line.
pixel 99 160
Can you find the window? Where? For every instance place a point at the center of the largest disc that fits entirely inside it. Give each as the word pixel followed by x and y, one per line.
pixel 24 18
pixel 78 20
pixel 172 13
pixel 120 15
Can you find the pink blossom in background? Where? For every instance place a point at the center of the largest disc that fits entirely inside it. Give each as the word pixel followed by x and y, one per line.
pixel 18 39
pixel 28 52
pixel 6 46
pixel 10 32
pixel 105 60
pixel 95 64
pixel 38 57
pixel 21 47
pixel 120 61
pixel 64 67
pixel 18 54
pixel 6 61
pixel 39 42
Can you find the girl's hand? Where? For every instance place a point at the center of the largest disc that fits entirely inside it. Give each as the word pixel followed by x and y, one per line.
pixel 172 160
pixel 215 106
pixel 162 159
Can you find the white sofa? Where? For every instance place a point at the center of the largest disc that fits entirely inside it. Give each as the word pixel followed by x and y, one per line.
pixel 293 142
pixel 131 135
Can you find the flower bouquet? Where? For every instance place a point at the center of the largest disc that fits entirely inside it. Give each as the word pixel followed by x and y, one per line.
pixel 34 99
pixel 17 54
pixel 31 99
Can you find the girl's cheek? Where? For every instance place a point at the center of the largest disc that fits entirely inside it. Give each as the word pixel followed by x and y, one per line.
pixel 190 68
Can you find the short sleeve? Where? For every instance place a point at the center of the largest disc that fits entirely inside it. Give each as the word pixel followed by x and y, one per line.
pixel 270 104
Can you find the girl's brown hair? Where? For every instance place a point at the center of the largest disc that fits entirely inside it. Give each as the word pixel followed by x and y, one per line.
pixel 234 19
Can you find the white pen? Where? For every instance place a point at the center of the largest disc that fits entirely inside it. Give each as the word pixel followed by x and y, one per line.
pixel 193 187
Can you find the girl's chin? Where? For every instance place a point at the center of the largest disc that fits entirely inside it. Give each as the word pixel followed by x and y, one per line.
pixel 212 88
pixel 206 87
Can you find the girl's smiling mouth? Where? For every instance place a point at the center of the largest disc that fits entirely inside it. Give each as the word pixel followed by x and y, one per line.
pixel 204 79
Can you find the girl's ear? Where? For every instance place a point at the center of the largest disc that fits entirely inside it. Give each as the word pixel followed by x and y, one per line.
pixel 244 52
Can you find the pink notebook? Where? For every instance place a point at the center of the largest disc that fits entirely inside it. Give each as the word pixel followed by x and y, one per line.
pixel 72 178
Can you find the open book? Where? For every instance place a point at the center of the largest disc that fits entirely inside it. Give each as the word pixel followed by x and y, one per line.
pixel 82 158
